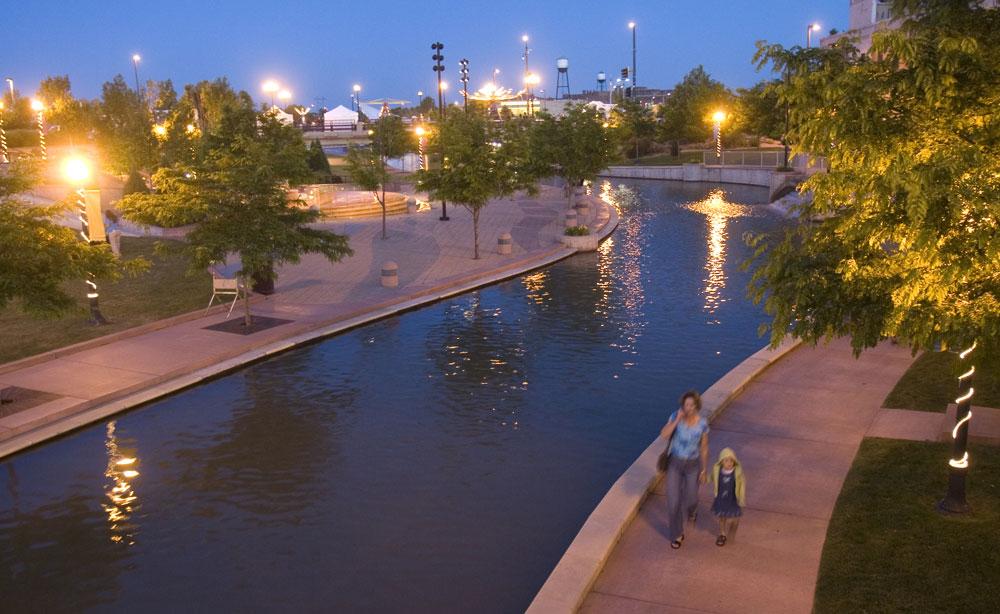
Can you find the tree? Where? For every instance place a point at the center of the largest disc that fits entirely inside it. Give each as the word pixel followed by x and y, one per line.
pixel 576 146
pixel 234 191
pixel 634 126
pixel 73 117
pixel 319 164
pixel 124 128
pixel 476 165
pixel 908 244
pixel 759 112
pixel 37 255
pixel 684 113
pixel 368 166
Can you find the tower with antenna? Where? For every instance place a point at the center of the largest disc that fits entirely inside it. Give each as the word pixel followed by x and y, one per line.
pixel 562 77
pixel 602 79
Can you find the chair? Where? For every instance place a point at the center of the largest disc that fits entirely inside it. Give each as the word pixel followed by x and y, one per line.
pixel 224 286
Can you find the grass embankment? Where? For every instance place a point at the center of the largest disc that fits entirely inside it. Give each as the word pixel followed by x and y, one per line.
pixel 888 549
pixel 163 291
pixel 932 382
pixel 665 159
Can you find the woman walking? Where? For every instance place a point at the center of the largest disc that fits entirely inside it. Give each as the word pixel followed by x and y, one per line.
pixel 687 432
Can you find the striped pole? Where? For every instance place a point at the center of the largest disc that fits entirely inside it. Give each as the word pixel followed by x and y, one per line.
pixel 958 466
pixel 96 317
pixel 41 135
pixel 4 157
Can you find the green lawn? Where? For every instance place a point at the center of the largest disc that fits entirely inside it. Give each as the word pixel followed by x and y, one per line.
pixel 931 383
pixel 666 159
pixel 163 291
pixel 887 548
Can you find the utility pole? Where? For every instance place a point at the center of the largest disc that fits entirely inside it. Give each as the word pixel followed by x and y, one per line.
pixel 439 68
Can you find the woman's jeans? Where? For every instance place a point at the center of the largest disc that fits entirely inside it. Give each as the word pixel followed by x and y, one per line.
pixel 682 493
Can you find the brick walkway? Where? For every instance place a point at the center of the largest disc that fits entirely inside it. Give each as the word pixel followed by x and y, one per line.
pixel 796 429
pixel 435 260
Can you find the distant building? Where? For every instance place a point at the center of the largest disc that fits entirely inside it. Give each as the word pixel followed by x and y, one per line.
pixel 646 95
pixel 869 16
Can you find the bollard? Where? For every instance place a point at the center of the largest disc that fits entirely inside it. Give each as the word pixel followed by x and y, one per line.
pixel 390 274
pixel 570 218
pixel 115 239
pixel 504 244
pixel 411 205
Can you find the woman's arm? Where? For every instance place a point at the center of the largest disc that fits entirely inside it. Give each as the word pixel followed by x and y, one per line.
pixel 668 428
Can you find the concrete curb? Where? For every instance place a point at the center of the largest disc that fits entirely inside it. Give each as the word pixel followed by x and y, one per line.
pixel 81 414
pixel 578 569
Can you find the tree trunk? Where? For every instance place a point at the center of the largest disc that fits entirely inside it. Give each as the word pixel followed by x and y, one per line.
pixel 382 203
pixel 475 233
pixel 247 318
pixel 572 195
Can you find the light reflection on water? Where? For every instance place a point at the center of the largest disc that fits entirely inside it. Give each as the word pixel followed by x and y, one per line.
pixel 450 453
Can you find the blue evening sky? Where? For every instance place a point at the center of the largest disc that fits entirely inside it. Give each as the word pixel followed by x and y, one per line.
pixel 319 48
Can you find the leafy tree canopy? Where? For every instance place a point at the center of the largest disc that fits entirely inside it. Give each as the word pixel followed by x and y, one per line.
pixel 577 146
pixel 759 112
pixel 685 113
pixel 908 246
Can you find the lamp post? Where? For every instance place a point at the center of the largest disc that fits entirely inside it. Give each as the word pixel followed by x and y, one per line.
pixel 438 57
pixel 10 83
pixel 496 71
pixel 958 466
pixel 284 96
pixel 813 27
pixel 464 71
pixel 270 87
pixel 4 158
pixel 38 107
pixel 77 171
pixel 717 118
pixel 420 131
pixel 635 82
pixel 531 80
pixel 356 89
pixel 135 69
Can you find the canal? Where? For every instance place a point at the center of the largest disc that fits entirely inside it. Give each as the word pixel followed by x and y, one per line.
pixel 441 460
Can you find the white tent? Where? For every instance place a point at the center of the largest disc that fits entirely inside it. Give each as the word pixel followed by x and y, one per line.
pixel 285 118
pixel 341 114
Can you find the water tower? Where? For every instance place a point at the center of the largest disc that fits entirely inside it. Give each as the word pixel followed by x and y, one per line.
pixel 562 77
pixel 601 80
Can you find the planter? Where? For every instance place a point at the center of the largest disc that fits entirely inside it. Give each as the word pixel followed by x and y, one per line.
pixel 586 243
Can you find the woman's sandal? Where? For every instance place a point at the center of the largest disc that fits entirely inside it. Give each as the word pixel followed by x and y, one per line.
pixel 677 542
pixel 721 541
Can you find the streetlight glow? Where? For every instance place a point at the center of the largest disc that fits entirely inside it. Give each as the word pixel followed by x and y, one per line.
pixel 719 117
pixel 160 130
pixel 631 25
pixel 136 57
pixel 420 131
pixel 815 27
pixel 444 85
pixel 524 38
pixel 76 169
pixel 37 105
pixel 270 86
pixel 284 95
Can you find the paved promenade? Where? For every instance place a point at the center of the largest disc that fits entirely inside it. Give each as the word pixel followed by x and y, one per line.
pixel 796 429
pixel 316 297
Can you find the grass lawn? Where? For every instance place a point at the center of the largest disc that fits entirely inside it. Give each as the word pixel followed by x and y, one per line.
pixel 888 549
pixel 932 382
pixel 666 159
pixel 163 291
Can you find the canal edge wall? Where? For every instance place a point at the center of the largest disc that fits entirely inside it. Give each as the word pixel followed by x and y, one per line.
pixel 82 414
pixel 573 577
pixel 774 181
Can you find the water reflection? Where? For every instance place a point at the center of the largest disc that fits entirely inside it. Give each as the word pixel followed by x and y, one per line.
pixel 718 211
pixel 120 496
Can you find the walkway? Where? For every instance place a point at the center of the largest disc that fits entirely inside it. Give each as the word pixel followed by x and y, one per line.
pixel 796 428
pixel 97 378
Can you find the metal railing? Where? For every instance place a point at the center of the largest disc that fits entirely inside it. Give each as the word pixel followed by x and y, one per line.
pixel 763 159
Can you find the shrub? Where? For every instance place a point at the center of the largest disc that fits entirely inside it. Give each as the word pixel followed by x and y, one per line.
pixel 577 231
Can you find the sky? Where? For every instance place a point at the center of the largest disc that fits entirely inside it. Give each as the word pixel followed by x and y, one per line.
pixel 318 49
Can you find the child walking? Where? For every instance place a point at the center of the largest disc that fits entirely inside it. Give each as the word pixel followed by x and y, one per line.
pixel 730 494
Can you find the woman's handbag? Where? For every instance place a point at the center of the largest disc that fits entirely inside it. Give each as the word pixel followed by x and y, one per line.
pixel 664 460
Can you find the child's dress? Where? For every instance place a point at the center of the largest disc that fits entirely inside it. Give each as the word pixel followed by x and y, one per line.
pixel 725 504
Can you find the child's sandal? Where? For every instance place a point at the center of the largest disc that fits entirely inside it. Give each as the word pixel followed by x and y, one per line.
pixel 677 542
pixel 721 541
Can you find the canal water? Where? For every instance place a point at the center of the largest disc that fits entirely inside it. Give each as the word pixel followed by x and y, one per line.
pixel 441 460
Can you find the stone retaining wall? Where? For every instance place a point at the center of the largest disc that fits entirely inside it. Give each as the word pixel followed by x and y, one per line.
pixel 764 177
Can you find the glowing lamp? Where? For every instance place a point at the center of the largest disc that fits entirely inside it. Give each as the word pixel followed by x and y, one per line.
pixel 76 170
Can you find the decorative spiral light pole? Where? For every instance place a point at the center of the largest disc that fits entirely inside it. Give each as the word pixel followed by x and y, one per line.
pixel 38 107
pixel 958 466
pixel 717 118
pixel 77 171
pixel 4 157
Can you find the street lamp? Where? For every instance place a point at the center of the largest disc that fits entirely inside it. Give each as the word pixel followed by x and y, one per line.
pixel 444 98
pixel 954 501
pixel 531 80
pixel 635 82
pixel 717 118
pixel 4 158
pixel 38 107
pixel 813 27
pixel 135 68
pixel 420 131
pixel 496 71
pixel 284 96
pixel 438 58
pixel 77 171
pixel 270 87
pixel 357 101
